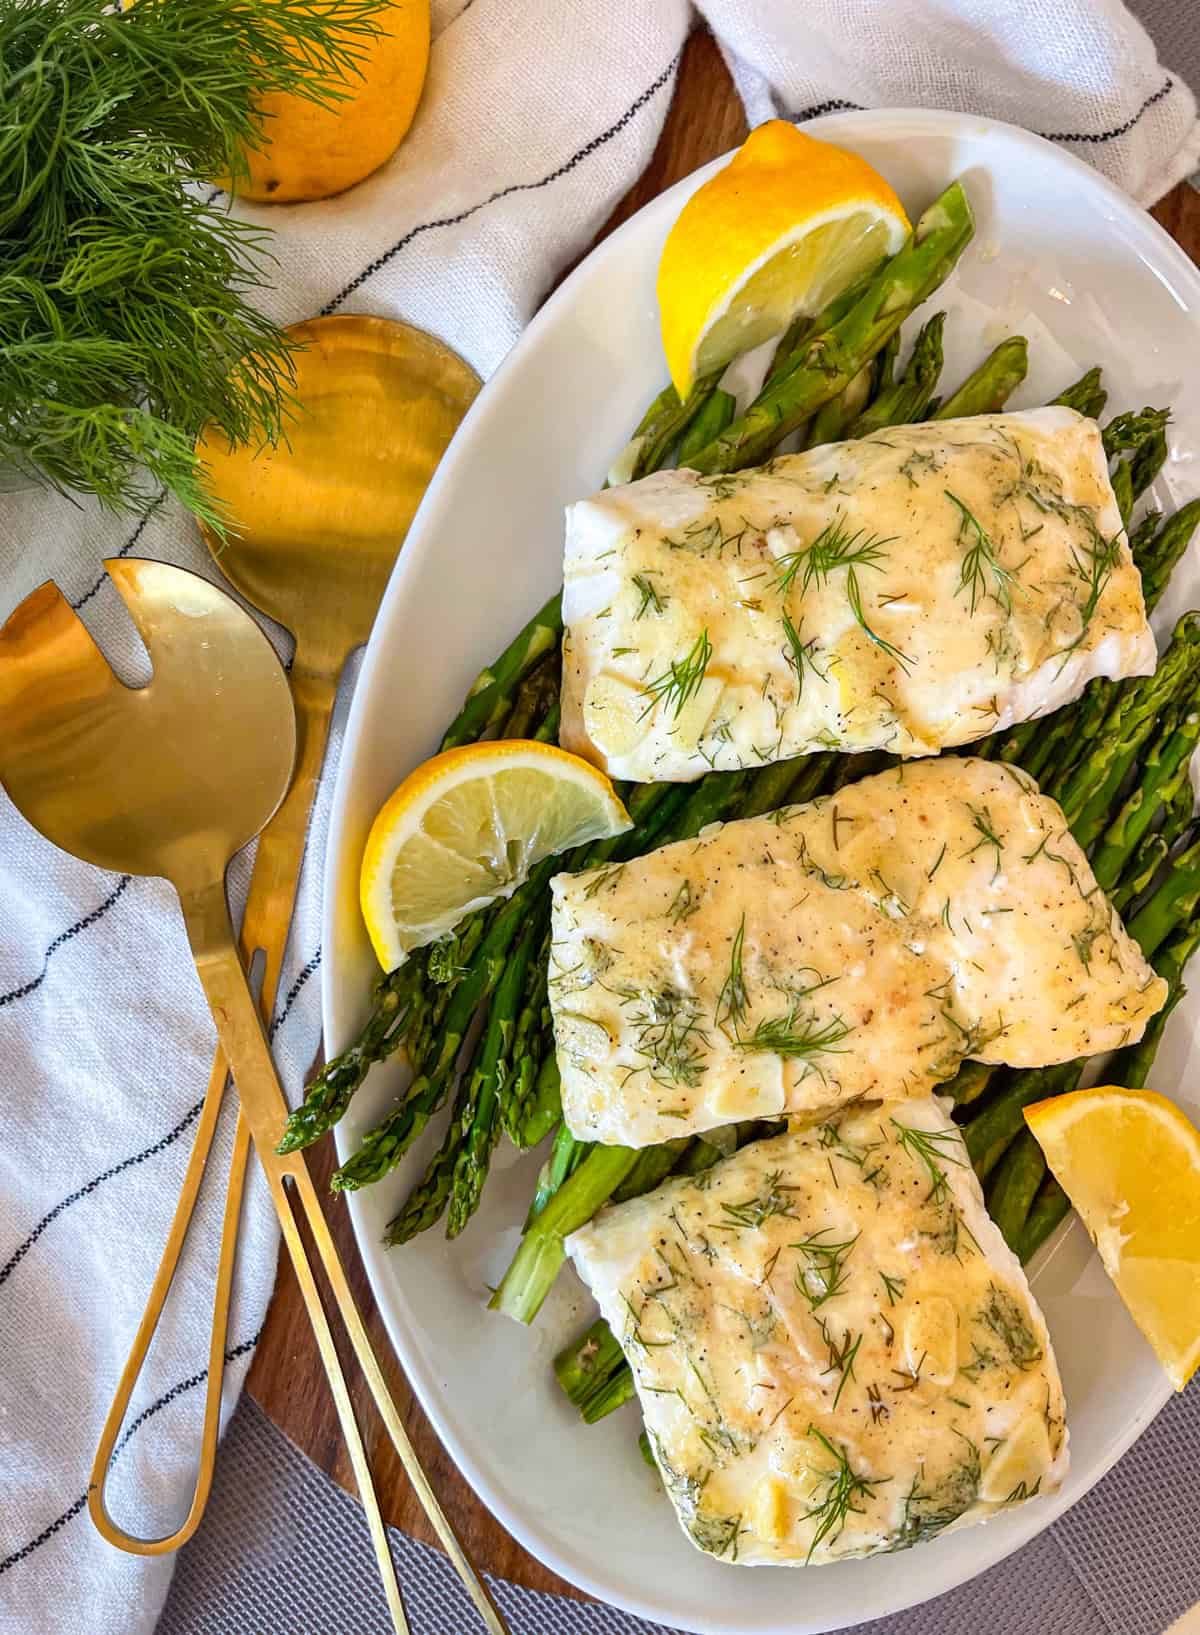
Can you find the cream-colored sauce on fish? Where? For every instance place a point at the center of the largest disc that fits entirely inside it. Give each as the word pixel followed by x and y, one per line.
pixel 860 945
pixel 906 591
pixel 835 1352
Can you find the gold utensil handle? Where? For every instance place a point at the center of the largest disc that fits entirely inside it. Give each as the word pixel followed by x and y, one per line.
pixel 265 924
pixel 245 1045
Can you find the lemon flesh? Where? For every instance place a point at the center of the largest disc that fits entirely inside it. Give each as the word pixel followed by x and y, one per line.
pixel 1129 1161
pixel 466 828
pixel 788 224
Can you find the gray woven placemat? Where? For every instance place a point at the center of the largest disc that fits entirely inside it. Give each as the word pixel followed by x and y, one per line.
pixel 283 1550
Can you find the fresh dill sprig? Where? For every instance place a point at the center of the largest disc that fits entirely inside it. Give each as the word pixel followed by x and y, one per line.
pixel 929 1148
pixel 831 1140
pixel 929 1510
pixel 684 903
pixel 833 548
pixel 798 1034
pixel 843 1488
pixel 603 878
pixel 682 679
pixel 670 1039
pixel 1101 558
pixel 854 597
pixel 822 1270
pixel 893 1286
pixel 1003 1316
pixel 798 652
pixel 652 599
pixel 716 1535
pixel 124 320
pixel 985 827
pixel 774 1199
pixel 980 560
pixel 842 1356
pixel 732 1000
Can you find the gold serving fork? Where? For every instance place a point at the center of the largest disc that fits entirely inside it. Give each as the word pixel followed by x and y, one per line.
pixel 316 524
pixel 172 779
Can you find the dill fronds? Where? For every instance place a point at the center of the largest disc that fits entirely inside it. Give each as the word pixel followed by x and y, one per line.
pixel 125 316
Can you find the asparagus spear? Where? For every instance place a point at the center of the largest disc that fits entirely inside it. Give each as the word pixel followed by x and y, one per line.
pixel 495 685
pixel 1014 1185
pixel 988 1134
pixel 1158 558
pixel 1088 791
pixel 479 1120
pixel 1049 1207
pixel 536 700
pixel 667 421
pixel 1131 430
pixel 426 1202
pixel 594 1374
pixel 1164 770
pixel 1148 461
pixel 1122 487
pixel 885 364
pixel 653 1165
pixel 791 342
pixel 771 788
pixel 519 1083
pixel 328 1096
pixel 384 1146
pixel 992 384
pixel 1174 902
pixel 1086 395
pixel 1131 1066
pixel 566 1155
pixel 909 397
pixel 830 359
pixel 832 420
pixel 1141 537
pixel 969 1083
pixel 539 1258
pixel 708 422
pixel 1140 874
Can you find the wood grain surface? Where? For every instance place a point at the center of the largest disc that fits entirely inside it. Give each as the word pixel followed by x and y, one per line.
pixel 286 1380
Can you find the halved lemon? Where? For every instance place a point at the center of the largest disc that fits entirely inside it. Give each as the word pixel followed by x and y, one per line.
pixel 787 225
pixel 466 827
pixel 1129 1161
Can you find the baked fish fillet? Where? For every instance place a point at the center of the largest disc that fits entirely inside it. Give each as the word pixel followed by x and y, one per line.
pixel 835 1352
pixel 907 591
pixel 859 945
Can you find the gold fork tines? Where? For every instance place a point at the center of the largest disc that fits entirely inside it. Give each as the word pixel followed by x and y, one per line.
pixel 172 779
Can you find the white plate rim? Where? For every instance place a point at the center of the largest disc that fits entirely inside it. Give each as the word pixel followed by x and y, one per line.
pixel 1167 256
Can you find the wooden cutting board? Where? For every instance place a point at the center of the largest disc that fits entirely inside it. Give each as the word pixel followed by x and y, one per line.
pixel 286 1380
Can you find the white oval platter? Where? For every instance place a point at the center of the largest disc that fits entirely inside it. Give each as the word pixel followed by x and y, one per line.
pixel 1059 255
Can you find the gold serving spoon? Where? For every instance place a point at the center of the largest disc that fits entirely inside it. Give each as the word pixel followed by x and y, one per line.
pixel 172 779
pixel 316 523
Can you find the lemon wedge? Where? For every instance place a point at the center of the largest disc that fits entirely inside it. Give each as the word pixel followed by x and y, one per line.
pixel 1129 1161
pixel 466 827
pixel 787 225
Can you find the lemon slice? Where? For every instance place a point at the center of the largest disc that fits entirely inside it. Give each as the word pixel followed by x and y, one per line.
pixel 466 828
pixel 787 225
pixel 1130 1163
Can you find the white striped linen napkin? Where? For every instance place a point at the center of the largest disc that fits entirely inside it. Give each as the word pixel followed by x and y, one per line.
pixel 536 119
